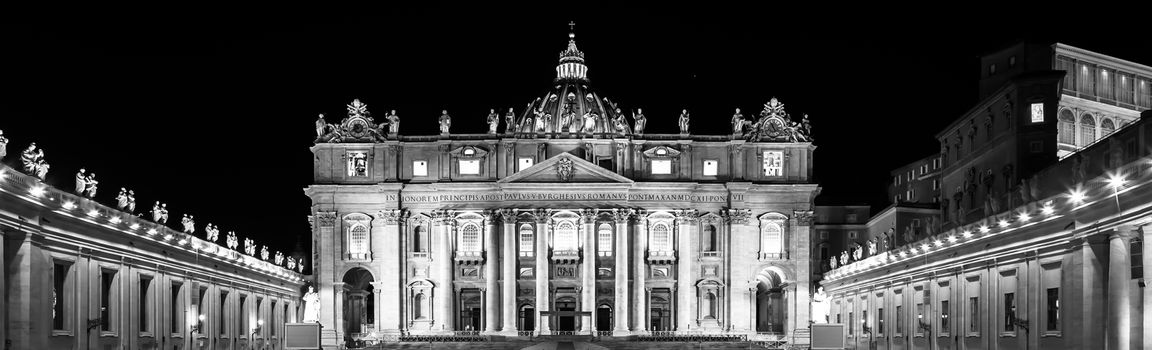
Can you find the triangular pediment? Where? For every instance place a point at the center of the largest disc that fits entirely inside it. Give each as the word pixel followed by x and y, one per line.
pixel 565 167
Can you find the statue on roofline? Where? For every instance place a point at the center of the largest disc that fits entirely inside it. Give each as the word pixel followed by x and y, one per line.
pixel 212 233
pixel 640 120
pixel 684 122
pixel 3 145
pixel 122 199
pixel 621 123
pixel 90 185
pixel 232 241
pixel 493 121
pixel 509 122
pixel 131 201
pixel 393 123
pixel 81 181
pixel 188 223
pixel 738 123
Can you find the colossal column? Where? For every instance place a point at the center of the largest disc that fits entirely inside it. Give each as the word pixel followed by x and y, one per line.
pixel 640 297
pixel 491 265
pixel 543 267
pixel 387 252
pixel 1119 295
pixel 442 232
pixel 508 257
pixel 686 301
pixel 327 245
pixel 620 311
pixel 588 270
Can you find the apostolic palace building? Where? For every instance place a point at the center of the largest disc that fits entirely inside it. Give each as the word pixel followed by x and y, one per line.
pixel 569 219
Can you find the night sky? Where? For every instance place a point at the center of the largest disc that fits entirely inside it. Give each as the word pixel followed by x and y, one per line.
pixel 213 114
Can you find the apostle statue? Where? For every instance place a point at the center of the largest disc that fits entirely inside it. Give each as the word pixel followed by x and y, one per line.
pixel 640 121
pixel 311 306
pixel 3 145
pixel 31 158
pixel 445 122
pixel 232 241
pixel 188 223
pixel 589 123
pixel 509 122
pixel 393 123
pixel 621 123
pixel 684 122
pixel 566 118
pixel 122 199
pixel 81 181
pixel 90 185
pixel 539 127
pixel 738 123
pixel 321 127
pixel 211 232
pixel 250 246
pixel 131 201
pixel 493 121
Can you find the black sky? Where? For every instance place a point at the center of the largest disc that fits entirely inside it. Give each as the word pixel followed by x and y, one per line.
pixel 213 113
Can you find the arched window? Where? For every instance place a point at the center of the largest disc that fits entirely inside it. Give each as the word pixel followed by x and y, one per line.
pixel 661 237
pixel 565 236
pixel 419 239
pixel 710 239
pixel 526 240
pixel 1106 127
pixel 470 238
pixel 604 240
pixel 1087 129
pixel 418 306
pixel 770 234
pixel 358 239
pixel 1067 127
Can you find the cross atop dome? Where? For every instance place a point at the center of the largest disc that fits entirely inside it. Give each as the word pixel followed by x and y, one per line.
pixel 571 59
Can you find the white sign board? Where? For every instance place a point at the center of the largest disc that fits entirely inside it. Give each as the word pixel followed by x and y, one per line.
pixel 302 336
pixel 828 336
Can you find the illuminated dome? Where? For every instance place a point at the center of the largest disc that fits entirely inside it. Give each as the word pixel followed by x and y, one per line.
pixel 564 106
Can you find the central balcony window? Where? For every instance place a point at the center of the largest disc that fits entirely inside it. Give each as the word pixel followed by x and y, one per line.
pixel 566 246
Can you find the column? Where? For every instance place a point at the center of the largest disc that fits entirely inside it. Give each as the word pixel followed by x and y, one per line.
pixel 620 310
pixel 1119 297
pixel 640 297
pixel 686 301
pixel 543 267
pixel 491 266
pixel 508 257
pixel 442 232
pixel 588 271
pixel 379 309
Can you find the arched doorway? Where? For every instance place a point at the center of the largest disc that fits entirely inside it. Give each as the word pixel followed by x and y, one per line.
pixel 604 317
pixel 359 302
pixel 566 318
pixel 771 313
pixel 527 318
pixel 470 313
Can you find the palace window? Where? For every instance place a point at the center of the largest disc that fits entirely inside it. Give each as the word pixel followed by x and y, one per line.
pixel 526 240
pixel 661 237
pixel 770 235
pixel 419 168
pixel 1087 129
pixel 773 163
pixel 710 167
pixel 469 167
pixel 470 238
pixel 604 240
pixel 107 279
pixel 1038 112
pixel 358 240
pixel 1107 127
pixel 357 164
pixel 565 236
pixel 145 307
pixel 60 295
pixel 1067 127
pixel 661 166
pixel 524 163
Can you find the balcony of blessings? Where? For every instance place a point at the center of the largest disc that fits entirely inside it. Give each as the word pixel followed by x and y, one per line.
pixel 560 196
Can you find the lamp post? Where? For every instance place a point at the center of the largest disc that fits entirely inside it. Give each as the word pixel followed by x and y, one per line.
pixel 1116 181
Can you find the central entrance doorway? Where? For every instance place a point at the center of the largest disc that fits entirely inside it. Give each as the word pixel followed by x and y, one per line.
pixel 566 314
pixel 604 318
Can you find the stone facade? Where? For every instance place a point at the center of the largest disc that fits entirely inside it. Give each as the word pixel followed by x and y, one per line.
pixel 549 228
pixel 82 275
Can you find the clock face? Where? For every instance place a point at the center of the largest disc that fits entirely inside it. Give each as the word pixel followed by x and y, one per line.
pixel 1037 112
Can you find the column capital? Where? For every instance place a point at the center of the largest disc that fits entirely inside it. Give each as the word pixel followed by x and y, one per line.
pixel 326 218
pixel 621 216
pixel 737 216
pixel 1124 232
pixel 507 216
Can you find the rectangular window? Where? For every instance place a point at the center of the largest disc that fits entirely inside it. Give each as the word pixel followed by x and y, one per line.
pixel 357 164
pixel 899 319
pixel 661 166
pixel 419 168
pixel 851 324
pixel 59 276
pixel 944 316
pixel 1038 112
pixel 711 167
pixel 880 321
pixel 106 278
pixel 851 218
pixel 864 318
pixel 470 167
pixel 1009 312
pixel 1053 309
pixel 524 163
pixel 526 241
pixel 773 163
pixel 175 315
pixel 838 319
pixel 604 240
pixel 201 310
pixel 223 311
pixel 145 321
pixel 920 318
pixel 973 314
